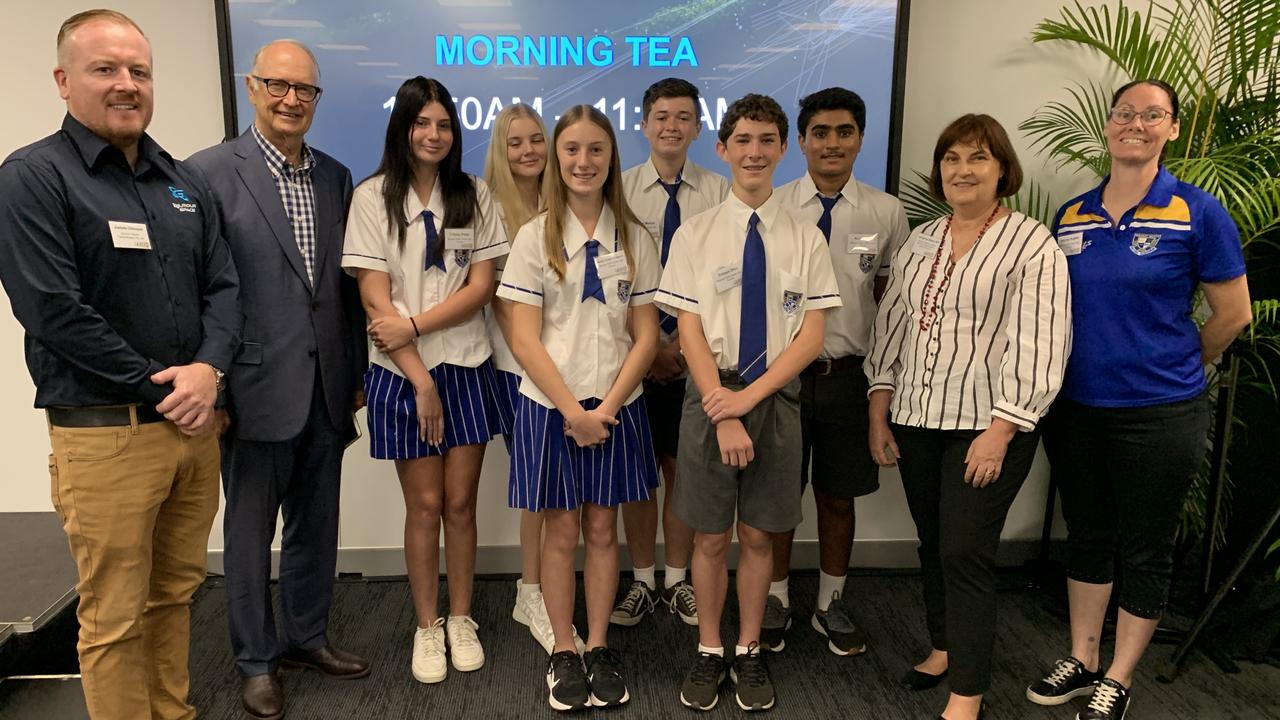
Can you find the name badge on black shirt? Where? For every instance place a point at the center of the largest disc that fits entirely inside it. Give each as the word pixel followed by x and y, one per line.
pixel 129 235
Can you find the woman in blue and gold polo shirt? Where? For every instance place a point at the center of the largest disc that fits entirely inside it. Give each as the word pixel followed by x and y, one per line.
pixel 1127 433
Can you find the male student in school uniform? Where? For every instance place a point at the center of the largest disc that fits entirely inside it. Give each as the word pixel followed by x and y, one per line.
pixel 664 189
pixel 749 283
pixel 861 226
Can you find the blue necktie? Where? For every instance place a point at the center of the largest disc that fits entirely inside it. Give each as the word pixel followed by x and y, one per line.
pixel 824 222
pixel 670 223
pixel 753 339
pixel 591 285
pixel 429 221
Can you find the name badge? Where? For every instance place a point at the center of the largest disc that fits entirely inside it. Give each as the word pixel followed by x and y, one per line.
pixel 728 276
pixel 129 236
pixel 1071 243
pixel 459 238
pixel 653 229
pixel 611 264
pixel 861 243
pixel 925 244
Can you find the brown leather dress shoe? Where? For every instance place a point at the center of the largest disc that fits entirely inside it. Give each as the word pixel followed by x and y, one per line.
pixel 263 696
pixel 331 661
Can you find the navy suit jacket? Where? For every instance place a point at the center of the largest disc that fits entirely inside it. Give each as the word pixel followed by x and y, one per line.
pixel 290 327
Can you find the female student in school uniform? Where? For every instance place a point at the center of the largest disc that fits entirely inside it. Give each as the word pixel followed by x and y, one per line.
pixel 968 350
pixel 513 168
pixel 422 237
pixel 583 326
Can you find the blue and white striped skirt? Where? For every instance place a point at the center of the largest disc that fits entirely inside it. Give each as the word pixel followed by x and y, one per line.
pixel 470 414
pixel 506 393
pixel 549 470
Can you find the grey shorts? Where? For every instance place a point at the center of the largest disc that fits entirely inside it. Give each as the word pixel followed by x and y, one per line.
pixel 766 494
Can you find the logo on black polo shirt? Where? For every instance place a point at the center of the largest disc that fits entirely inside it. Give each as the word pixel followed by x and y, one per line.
pixel 186 205
pixel 1144 243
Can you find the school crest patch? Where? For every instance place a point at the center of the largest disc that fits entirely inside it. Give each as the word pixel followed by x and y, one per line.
pixel 624 291
pixel 791 302
pixel 461 257
pixel 866 262
pixel 1144 243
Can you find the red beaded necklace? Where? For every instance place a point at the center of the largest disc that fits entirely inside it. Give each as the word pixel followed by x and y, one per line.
pixel 930 303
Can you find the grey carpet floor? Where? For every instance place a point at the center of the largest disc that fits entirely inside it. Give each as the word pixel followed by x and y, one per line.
pixel 375 618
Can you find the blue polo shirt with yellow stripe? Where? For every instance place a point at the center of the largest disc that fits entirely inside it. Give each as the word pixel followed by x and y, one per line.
pixel 1135 342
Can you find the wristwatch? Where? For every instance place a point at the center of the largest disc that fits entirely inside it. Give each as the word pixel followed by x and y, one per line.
pixel 219 378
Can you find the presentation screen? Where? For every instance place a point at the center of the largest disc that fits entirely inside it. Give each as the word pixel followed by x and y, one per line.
pixel 553 54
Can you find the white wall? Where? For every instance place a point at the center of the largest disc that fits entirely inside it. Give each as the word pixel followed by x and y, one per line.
pixel 970 56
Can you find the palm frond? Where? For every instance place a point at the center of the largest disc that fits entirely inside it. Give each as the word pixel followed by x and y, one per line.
pixel 918 200
pixel 1072 132
pixel 1034 201
pixel 1242 176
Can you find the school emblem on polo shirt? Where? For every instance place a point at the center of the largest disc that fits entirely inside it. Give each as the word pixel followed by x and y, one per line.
pixel 460 257
pixel 790 302
pixel 624 291
pixel 866 262
pixel 1144 243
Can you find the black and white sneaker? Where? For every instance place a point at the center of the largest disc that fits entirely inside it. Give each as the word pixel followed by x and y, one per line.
pixel 776 623
pixel 754 690
pixel 638 601
pixel 567 682
pixel 701 687
pixel 1068 679
pixel 604 677
pixel 1110 701
pixel 679 599
pixel 844 637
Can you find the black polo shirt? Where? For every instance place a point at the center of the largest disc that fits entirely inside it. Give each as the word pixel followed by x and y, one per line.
pixel 101 319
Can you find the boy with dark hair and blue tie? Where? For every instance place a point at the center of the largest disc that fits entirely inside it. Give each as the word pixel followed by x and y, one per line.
pixel 749 284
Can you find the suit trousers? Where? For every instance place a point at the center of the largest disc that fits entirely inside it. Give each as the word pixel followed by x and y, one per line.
pixel 298 478
pixel 137 502
pixel 959 528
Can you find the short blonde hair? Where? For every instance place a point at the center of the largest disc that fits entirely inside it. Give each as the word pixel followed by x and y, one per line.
pixel 80 19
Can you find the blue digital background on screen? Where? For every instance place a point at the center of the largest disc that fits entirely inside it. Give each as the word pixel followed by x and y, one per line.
pixel 554 54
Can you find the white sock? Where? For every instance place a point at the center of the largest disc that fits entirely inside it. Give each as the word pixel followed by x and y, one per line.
pixel 646 576
pixel 739 650
pixel 711 650
pixel 779 590
pixel 827 585
pixel 672 575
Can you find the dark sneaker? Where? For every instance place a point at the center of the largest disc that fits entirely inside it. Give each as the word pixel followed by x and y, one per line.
pixel 679 599
pixel 638 601
pixel 604 677
pixel 776 623
pixel 1067 680
pixel 844 637
pixel 701 687
pixel 566 682
pixel 753 689
pixel 1110 701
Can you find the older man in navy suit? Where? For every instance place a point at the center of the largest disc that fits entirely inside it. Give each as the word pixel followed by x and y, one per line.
pixel 294 383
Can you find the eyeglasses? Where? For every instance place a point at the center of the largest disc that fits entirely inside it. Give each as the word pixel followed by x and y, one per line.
pixel 1151 116
pixel 279 88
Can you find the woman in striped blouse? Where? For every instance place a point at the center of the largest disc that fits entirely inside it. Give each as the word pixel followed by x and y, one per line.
pixel 968 350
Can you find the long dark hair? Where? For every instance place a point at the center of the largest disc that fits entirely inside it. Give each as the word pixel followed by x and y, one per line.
pixel 396 168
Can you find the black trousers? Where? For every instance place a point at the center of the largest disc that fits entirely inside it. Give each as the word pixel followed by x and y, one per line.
pixel 959 529
pixel 299 477
pixel 1123 474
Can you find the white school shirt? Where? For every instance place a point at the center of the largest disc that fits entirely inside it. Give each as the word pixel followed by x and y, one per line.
pixel 998 345
pixel 369 244
pixel 588 341
pixel 798 278
pixel 866 226
pixel 502 358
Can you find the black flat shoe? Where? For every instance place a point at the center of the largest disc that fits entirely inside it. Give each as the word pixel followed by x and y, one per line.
pixel 916 681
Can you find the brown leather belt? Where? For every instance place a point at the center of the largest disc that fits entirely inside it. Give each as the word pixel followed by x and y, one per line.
pixel 106 416
pixel 830 366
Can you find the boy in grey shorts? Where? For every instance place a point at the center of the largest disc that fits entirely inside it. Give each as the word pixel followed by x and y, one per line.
pixel 749 284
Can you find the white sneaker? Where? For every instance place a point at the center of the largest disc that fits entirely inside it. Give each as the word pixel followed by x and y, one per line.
pixel 428 653
pixel 464 647
pixel 518 612
pixel 534 609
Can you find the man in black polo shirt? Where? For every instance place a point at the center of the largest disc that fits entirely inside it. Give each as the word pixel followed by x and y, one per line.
pixel 115 267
